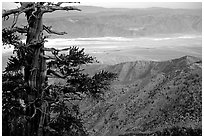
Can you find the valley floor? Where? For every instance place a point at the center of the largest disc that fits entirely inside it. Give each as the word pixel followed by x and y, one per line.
pixel 113 50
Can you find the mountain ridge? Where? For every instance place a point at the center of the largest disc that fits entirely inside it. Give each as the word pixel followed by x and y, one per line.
pixel 168 96
pixel 127 69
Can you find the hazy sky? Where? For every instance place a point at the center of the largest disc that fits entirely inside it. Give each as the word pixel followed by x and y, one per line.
pixel 126 4
pixel 146 4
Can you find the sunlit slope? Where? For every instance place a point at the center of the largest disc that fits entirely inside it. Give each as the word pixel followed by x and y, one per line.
pixel 148 98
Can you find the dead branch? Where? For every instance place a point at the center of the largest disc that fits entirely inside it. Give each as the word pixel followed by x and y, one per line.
pixel 44 108
pixel 9 12
pixel 36 43
pixel 47 57
pixel 53 49
pixel 19 30
pixel 48 30
pixel 56 51
pixel 25 6
pixel 56 7
pixel 15 19
pixel 57 74
pixel 59 3
pixel 17 11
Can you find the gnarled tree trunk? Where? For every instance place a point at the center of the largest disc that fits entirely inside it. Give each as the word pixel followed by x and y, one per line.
pixel 36 71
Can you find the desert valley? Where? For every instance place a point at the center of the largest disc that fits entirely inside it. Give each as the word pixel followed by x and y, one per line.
pixel 157 55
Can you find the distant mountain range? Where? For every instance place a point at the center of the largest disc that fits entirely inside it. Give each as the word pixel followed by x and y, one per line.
pixel 149 98
pixel 100 22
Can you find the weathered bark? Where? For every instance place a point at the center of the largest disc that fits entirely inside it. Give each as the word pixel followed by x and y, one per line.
pixel 37 70
pixel 44 117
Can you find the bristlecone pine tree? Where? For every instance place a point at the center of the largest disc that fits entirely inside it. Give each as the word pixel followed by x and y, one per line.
pixel 30 104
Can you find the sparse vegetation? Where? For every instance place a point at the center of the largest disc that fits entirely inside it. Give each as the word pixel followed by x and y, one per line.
pixel 173 131
pixel 164 103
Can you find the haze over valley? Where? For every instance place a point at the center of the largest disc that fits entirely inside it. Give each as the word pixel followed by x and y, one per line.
pixel 114 50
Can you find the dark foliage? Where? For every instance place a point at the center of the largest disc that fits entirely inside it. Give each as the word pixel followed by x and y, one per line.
pixel 63 112
pixel 9 37
pixel 13 93
pixel 100 82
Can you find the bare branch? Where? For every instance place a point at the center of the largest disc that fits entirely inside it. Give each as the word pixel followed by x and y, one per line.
pixel 36 43
pixel 47 57
pixel 49 71
pixel 59 3
pixel 9 12
pixel 54 52
pixel 48 30
pixel 58 50
pixel 55 8
pixel 72 2
pixel 19 30
pixel 16 11
pixel 15 19
pixel 50 7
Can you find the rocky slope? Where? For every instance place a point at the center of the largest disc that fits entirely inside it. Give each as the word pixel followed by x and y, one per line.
pixel 149 98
